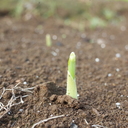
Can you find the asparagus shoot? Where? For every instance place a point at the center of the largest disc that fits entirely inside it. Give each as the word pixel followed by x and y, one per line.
pixel 48 40
pixel 71 80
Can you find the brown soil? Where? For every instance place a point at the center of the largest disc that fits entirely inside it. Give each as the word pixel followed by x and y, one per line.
pixel 102 75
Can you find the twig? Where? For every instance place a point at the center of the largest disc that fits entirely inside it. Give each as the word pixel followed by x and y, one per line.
pixel 12 102
pixel 98 126
pixel 45 120
pixel 2 92
pixel 24 89
pixel 86 121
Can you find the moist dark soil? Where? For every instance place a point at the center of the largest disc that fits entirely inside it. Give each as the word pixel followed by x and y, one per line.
pixel 101 75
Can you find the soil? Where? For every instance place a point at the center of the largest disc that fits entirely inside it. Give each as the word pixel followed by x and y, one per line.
pixel 101 74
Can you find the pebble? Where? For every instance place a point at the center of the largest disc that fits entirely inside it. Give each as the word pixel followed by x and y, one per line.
pixel 118 55
pixel 37 76
pixel 73 125
pixel 119 76
pixel 126 47
pixel 105 84
pixel 123 28
pixel 117 69
pixel 54 37
pixel 24 82
pixel 20 110
pixel 18 81
pixel 118 105
pixel 57 50
pixel 97 59
pixel 54 53
pixel 78 45
pixel 59 44
pixel 9 112
pixel 100 41
pixel 103 45
pixel 109 75
pixel 53 98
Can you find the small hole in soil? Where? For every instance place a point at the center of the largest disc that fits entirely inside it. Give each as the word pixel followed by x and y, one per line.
pixel 65 102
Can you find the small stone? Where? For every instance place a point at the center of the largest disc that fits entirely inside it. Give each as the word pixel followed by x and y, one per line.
pixel 100 41
pixel 57 50
pixel 117 69
pixel 53 98
pixel 103 45
pixel 78 45
pixel 73 125
pixel 78 95
pixel 9 112
pixel 119 76
pixel 18 81
pixel 109 75
pixel 118 105
pixel 97 59
pixel 105 84
pixel 54 53
pixel 118 55
pixel 54 37
pixel 123 28
pixel 59 44
pixel 126 47
pixel 37 76
pixel 20 110
pixel 25 82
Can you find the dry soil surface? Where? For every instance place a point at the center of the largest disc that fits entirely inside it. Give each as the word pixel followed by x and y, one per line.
pixel 33 76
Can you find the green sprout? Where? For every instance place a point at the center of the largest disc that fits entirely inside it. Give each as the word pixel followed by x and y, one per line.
pixel 71 80
pixel 48 40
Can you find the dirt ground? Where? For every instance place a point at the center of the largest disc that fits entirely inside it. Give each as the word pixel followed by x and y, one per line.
pixel 33 76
